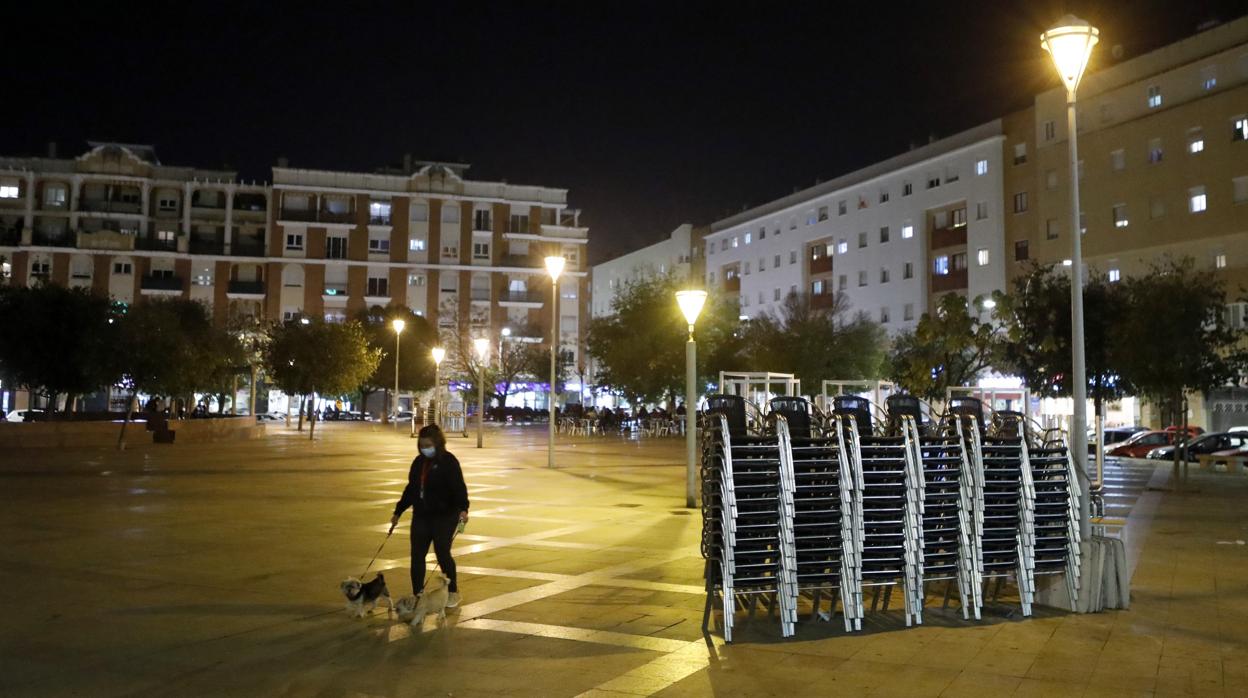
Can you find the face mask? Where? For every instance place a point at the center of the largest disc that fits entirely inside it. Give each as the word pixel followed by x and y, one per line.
pixel 428 452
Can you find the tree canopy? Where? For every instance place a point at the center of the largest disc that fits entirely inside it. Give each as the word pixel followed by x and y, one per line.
pixel 415 342
pixel 310 356
pixel 947 348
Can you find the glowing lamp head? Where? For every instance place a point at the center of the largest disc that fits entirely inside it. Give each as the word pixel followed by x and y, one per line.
pixel 691 303
pixel 506 331
pixel 554 266
pixel 989 303
pixel 1070 43
pixel 482 345
pixel 398 325
pixel 438 354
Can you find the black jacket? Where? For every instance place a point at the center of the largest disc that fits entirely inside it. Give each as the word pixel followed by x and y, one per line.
pixel 445 491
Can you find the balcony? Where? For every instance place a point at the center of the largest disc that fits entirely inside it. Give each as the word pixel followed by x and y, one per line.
pixel 732 284
pixel 153 243
pixel 42 238
pixel 333 291
pixel 105 240
pixel 298 215
pixel 202 246
pixel 379 220
pixel 955 280
pixel 245 289
pixel 523 261
pixel 247 248
pixel 948 237
pixel 522 299
pixel 109 206
pixel 11 236
pixel 161 284
pixel 821 264
pixel 822 300
pixel 480 294
pixel 331 217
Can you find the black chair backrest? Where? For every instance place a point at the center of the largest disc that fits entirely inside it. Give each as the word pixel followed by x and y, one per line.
pixel 899 406
pixel 797 411
pixel 857 408
pixel 968 408
pixel 1009 423
pixel 732 407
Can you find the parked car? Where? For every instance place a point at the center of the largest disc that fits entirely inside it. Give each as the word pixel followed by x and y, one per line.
pixel 1238 430
pixel 22 415
pixel 1140 444
pixel 1114 436
pixel 1192 431
pixel 1202 445
pixel 401 416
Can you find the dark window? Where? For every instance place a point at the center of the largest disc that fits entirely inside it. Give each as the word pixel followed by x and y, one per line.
pixel 1022 251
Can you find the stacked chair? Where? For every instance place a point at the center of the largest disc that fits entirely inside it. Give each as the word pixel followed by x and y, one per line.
pixel 811 506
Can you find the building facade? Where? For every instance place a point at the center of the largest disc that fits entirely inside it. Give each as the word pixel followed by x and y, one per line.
pixel 466 254
pixel 672 255
pixel 891 237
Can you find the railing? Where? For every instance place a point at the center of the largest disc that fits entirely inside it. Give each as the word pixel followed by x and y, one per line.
pixel 480 294
pixel 246 249
pixel 948 237
pixel 151 242
pixel 819 265
pixel 45 239
pixel 206 246
pixel 331 217
pixel 822 300
pixel 303 215
pixel 732 283
pixel 251 287
pixel 109 206
pixel 522 297
pixel 335 290
pixel 515 260
pixel 11 236
pixel 954 280
pixel 379 220
pixel 161 283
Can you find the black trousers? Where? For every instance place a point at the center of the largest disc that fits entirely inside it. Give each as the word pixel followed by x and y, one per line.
pixel 438 529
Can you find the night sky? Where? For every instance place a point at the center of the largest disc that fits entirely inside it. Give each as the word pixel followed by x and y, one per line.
pixel 651 114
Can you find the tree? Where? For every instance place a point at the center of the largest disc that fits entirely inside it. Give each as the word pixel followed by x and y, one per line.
pixel 305 357
pixel 1035 342
pixel 415 343
pixel 58 339
pixel 815 344
pixel 1175 337
pixel 947 348
pixel 640 347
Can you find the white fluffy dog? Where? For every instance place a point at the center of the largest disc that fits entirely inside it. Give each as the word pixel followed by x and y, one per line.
pixel 413 609
pixel 362 598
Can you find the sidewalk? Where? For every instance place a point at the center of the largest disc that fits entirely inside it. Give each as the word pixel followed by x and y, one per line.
pixel 213 570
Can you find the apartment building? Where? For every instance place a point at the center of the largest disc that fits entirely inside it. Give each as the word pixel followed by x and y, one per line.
pixel 672 255
pixel 466 254
pixel 892 237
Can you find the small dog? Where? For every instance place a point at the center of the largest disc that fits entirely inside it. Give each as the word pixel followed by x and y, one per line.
pixel 413 609
pixel 362 598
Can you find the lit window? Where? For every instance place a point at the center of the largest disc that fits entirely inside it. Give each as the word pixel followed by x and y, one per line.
pixel 415 280
pixel 981 168
pixel 1196 202
pixel 379 212
pixel 416 244
pixel 748 238
pixel 1209 77
pixel 734 242
pixel 816 287
pixel 940 266
pixel 1114 275
pixel 1154 151
pixel 1154 96
pixel 981 257
pixel 1241 129
pixel 8 191
pixel 1195 141
pixel 1120 216
pixel 842 247
pixel 1219 261
pixel 907 232
pixel 959 218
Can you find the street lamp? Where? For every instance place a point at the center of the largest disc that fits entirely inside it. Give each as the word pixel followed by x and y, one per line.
pixel 438 354
pixel 554 267
pixel 506 332
pixel 1070 43
pixel 398 324
pixel 482 345
pixel 691 303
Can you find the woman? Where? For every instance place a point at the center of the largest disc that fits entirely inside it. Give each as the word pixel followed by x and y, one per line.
pixel 439 500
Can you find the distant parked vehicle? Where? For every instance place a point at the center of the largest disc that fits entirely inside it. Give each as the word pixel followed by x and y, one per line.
pixel 1192 431
pixel 1114 436
pixel 401 416
pixel 1140 444
pixel 1238 430
pixel 22 415
pixel 1202 445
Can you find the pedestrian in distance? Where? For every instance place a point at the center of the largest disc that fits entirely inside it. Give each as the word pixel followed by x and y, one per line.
pixel 438 498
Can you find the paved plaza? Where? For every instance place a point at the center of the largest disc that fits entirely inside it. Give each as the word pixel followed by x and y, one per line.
pixel 194 570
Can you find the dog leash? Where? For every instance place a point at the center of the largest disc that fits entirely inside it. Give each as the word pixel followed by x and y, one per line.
pixel 383 544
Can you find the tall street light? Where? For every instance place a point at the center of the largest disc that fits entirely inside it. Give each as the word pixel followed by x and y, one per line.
pixel 506 332
pixel 398 324
pixel 438 354
pixel 554 267
pixel 1070 44
pixel 691 303
pixel 482 345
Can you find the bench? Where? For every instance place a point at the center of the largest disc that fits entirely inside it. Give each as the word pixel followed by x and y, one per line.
pixel 1235 463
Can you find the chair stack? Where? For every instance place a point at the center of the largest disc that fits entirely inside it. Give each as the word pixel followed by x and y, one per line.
pixel 1056 531
pixel 823 501
pixel 747 514
pixel 885 513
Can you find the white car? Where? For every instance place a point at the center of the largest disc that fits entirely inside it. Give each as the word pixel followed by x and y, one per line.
pixel 21 415
pixel 1235 430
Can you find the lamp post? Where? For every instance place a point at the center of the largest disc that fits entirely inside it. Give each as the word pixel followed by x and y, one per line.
pixel 506 332
pixel 691 303
pixel 554 267
pixel 398 324
pixel 438 354
pixel 482 345
pixel 1070 43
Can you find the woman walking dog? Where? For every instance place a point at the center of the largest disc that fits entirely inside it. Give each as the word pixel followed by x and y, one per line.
pixel 439 500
